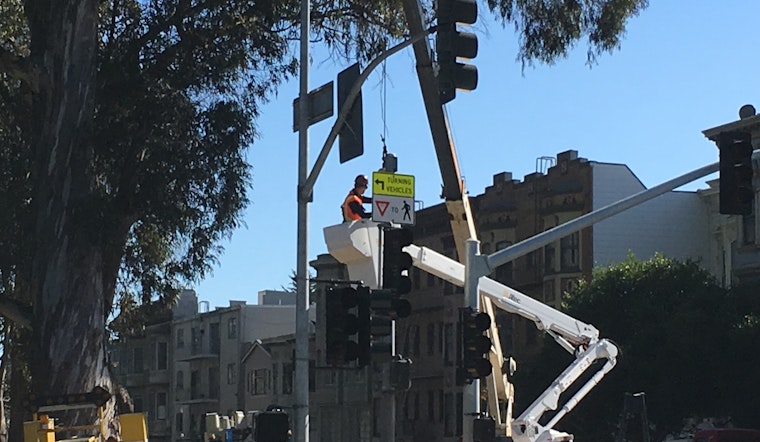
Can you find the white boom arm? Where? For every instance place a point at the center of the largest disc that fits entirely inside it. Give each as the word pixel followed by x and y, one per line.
pixel 575 336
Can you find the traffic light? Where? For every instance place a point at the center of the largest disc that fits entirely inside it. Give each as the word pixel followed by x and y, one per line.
pixel 475 346
pixel 736 192
pixel 271 426
pixel 341 324
pixel 377 310
pixel 451 44
pixel 396 262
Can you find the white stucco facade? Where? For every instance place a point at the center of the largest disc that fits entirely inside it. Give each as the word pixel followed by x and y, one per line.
pixel 675 224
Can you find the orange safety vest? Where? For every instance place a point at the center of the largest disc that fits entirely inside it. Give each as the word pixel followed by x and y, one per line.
pixel 348 214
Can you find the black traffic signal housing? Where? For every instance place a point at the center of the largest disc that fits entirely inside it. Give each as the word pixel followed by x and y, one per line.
pixel 396 262
pixel 341 324
pixel 736 191
pixel 271 426
pixel 378 309
pixel 475 347
pixel 452 44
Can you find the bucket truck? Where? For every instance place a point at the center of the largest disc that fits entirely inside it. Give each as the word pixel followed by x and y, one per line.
pixel 355 244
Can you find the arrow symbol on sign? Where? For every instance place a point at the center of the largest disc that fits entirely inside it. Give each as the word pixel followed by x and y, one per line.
pixel 382 206
pixel 380 183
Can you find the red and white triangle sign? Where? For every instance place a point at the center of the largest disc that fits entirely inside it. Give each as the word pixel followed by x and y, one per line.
pixel 382 206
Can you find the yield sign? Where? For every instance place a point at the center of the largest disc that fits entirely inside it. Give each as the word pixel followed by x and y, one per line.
pixel 382 206
pixel 393 209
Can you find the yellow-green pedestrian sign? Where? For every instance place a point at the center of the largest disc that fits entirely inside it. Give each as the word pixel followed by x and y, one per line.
pixel 392 198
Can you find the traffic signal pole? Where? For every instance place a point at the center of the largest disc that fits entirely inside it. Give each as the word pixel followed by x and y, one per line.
pixel 301 382
pixel 306 183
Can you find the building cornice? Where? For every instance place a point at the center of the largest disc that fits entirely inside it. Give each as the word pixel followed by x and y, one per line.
pixel 750 124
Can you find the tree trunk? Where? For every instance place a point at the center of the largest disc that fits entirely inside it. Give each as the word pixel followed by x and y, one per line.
pixel 3 382
pixel 66 278
pixel 19 382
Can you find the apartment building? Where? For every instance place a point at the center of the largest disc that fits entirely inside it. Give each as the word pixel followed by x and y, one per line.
pixel 142 363
pixel 180 369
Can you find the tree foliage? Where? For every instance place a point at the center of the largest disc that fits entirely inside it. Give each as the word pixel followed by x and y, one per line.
pixel 685 342
pixel 548 29
pixel 124 126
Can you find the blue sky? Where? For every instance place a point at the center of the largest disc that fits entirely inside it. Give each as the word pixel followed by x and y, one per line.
pixel 684 66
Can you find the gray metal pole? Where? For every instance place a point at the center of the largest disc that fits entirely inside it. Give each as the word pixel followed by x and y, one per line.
pixel 301 405
pixel 306 183
pixel 470 393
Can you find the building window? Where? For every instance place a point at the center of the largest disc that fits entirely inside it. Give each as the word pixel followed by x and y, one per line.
pixel 416 409
pixel 137 360
pixel 569 284
pixel 431 339
pixel 137 401
pixel 275 379
pixel 195 338
pixel 287 378
pixel 549 261
pixel 549 296
pixel 180 381
pixel 377 406
pixel 232 332
pixel 231 374
pixel 569 251
pixel 431 405
pixel 313 375
pixel 214 338
pixel 459 412
pixel 180 338
pixel 178 422
pixel 161 405
pixel 530 260
pixel 213 382
pixel 258 381
pixel 448 344
pixel 124 362
pixel 162 356
pixel 195 381
pixel 441 407
pixel 416 340
pixel 449 418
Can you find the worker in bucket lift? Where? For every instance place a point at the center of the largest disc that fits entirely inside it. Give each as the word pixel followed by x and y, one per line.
pixel 352 206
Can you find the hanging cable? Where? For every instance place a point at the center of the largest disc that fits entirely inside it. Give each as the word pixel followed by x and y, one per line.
pixel 389 163
pixel 383 107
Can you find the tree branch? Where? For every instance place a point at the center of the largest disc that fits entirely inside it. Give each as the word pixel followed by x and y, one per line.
pixel 15 311
pixel 21 69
